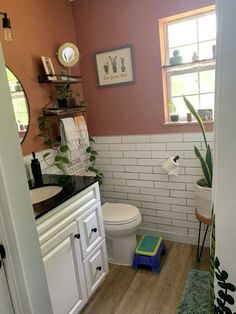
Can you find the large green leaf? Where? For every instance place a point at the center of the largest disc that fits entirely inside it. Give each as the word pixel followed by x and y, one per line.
pixel 209 160
pixel 197 117
pixel 205 169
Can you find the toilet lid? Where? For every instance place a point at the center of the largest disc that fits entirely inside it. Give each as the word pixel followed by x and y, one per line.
pixel 114 213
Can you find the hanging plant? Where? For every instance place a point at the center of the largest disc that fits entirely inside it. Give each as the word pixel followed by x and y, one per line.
pixel 92 158
pixel 59 149
pixel 224 299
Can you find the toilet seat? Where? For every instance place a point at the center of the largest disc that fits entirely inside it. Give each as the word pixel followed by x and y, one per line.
pixel 117 214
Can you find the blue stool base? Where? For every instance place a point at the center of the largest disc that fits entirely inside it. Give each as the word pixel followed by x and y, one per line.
pixel 153 261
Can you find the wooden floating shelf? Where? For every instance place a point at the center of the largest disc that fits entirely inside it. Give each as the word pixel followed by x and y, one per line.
pixel 59 79
pixel 62 111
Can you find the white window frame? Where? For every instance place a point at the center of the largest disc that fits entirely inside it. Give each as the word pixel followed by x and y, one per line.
pixel 185 68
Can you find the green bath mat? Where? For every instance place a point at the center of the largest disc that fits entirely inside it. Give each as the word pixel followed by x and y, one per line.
pixel 196 296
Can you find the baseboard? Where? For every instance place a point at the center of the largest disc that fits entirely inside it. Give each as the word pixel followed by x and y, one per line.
pixel 175 237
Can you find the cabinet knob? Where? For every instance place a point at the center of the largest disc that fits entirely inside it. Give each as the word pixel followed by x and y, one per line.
pixel 2 251
pixel 77 236
pixel 99 268
pixel 94 230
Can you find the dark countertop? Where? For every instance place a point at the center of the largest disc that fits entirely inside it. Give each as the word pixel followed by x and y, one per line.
pixel 71 186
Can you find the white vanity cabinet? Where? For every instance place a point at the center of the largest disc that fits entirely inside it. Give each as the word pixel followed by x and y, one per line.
pixel 74 251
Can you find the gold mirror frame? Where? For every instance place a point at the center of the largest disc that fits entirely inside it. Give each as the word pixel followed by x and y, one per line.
pixel 68 54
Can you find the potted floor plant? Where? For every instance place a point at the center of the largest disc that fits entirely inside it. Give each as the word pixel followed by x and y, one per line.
pixel 204 185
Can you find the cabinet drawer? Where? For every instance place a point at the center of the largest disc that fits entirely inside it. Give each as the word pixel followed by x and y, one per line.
pixel 96 267
pixel 91 229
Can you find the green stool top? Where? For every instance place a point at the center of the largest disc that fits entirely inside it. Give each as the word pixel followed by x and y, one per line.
pixel 148 245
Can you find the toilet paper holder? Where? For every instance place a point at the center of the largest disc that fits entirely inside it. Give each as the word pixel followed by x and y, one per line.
pixel 171 165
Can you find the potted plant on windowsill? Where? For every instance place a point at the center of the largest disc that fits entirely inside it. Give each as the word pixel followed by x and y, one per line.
pixel 172 111
pixel 204 185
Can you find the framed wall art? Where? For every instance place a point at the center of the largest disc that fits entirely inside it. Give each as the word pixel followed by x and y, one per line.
pixel 115 66
pixel 48 67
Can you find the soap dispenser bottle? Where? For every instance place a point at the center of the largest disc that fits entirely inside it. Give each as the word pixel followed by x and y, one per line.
pixel 36 171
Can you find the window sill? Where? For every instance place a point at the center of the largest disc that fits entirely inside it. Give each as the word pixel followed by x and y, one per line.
pixel 183 123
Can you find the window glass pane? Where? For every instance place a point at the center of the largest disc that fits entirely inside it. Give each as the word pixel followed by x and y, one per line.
pixel 207 27
pixel 182 33
pixel 205 49
pixel 181 108
pixel 184 84
pixel 185 52
pixel 207 81
pixel 207 101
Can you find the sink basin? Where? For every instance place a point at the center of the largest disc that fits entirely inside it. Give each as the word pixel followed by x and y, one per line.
pixel 43 193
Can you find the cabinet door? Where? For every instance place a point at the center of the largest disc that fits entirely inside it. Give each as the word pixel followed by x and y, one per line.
pixel 91 229
pixel 64 271
pixel 96 267
pixel 5 299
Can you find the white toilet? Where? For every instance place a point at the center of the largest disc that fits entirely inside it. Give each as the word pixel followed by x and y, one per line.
pixel 121 222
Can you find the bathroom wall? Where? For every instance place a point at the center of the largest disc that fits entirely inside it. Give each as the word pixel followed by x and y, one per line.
pixel 132 166
pixel 101 25
pixel 39 28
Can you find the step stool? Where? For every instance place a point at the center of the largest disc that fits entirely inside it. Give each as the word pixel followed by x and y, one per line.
pixel 148 252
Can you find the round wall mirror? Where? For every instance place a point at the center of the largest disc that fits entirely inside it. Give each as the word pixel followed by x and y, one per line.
pixel 68 54
pixel 20 104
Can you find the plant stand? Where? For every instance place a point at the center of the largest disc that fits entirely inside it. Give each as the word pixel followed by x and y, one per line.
pixel 207 222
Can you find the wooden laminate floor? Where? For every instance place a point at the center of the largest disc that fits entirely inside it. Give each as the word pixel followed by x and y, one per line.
pixel 126 291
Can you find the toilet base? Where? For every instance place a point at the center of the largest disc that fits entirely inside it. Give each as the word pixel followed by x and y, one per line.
pixel 120 250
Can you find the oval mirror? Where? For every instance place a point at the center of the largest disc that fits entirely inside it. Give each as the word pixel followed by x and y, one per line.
pixel 20 104
pixel 68 54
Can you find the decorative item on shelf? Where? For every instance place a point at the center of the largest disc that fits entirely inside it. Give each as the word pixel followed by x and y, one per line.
pixel 65 97
pixel 6 24
pixel 48 67
pixel 92 158
pixel 189 117
pixel 172 111
pixel 176 59
pixel 195 56
pixel 59 156
pixel 203 186
pixel 205 114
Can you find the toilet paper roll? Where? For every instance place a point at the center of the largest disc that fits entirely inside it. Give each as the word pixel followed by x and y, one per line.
pixel 171 166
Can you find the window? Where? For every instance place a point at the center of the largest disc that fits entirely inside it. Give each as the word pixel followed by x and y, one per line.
pixel 188 61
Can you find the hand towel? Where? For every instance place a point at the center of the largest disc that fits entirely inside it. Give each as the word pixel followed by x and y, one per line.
pixel 69 136
pixel 82 130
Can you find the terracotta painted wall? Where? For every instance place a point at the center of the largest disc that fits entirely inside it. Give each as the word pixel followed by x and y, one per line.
pixel 105 24
pixel 39 27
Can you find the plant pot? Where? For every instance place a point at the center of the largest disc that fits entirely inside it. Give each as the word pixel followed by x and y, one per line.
pixel 174 117
pixel 203 199
pixel 66 102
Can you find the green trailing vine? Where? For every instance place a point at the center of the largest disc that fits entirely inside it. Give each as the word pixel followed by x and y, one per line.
pixel 224 299
pixel 59 149
pixel 92 158
pixel 212 264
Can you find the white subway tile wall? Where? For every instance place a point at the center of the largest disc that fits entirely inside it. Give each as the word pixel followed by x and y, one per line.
pixel 133 174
